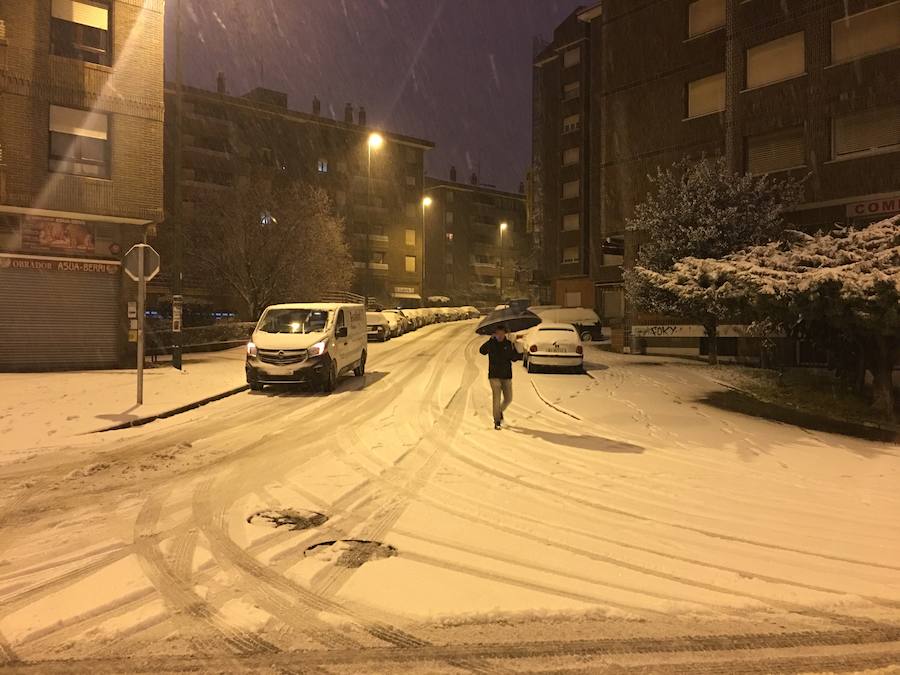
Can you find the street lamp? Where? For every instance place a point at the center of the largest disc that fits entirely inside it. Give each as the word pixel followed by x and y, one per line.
pixel 374 142
pixel 503 227
pixel 426 202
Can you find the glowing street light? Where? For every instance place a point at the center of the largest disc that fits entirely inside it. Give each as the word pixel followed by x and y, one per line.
pixel 503 227
pixel 374 142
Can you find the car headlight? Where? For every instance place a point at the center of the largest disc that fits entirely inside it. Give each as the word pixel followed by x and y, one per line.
pixel 318 349
pixel 251 349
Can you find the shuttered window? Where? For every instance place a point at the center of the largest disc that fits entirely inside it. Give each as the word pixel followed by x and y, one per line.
pixel 410 237
pixel 776 151
pixel 572 57
pixel 572 90
pixel 777 60
pixel 410 263
pixel 79 29
pixel 79 142
pixel 706 95
pixel 875 130
pixel 857 35
pixel 705 15
pixel 570 254
pixel 571 221
pixel 571 189
pixel 571 156
pixel 571 123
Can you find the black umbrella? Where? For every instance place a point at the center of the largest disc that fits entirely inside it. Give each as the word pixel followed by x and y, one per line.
pixel 515 318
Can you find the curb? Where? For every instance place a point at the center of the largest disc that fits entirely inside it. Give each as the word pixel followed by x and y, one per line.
pixel 174 411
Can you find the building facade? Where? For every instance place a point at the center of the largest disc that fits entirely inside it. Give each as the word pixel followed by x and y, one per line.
pixel 81 174
pixel 477 248
pixel 808 91
pixel 225 137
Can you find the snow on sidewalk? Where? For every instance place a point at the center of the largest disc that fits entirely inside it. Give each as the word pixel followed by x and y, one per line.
pixel 44 409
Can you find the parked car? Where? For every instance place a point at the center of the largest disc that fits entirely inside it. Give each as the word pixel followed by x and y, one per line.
pixel 394 323
pixel 405 324
pixel 585 320
pixel 306 343
pixel 555 345
pixel 378 327
pixel 471 312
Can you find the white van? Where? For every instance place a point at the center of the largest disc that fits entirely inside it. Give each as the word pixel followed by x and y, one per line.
pixel 307 343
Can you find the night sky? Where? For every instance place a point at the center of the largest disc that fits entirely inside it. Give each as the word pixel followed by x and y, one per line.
pixel 457 72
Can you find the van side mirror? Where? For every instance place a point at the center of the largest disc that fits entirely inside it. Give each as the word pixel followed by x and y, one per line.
pixel 341 332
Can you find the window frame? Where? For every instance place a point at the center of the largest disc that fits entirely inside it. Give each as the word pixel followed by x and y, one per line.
pixel 687 97
pixel 577 183
pixel 571 50
pixel 571 129
pixel 882 50
pixel 577 150
pixel 570 261
pixel 708 31
pixel 406 260
pixel 785 131
pixel 882 150
pixel 81 47
pixel 577 228
pixel 107 148
pixel 786 78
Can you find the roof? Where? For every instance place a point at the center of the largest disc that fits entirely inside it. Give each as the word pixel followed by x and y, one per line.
pixel 556 326
pixel 591 13
pixel 436 183
pixel 294 115
pixel 330 306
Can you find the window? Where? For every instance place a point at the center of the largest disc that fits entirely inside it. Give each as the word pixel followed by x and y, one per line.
pixel 79 142
pixel 865 33
pixel 570 255
pixel 410 263
pixel 572 57
pixel 449 196
pixel 705 16
pixel 571 221
pixel 411 181
pixel 572 299
pixel 775 61
pixel 410 237
pixel 776 151
pixel 571 123
pixel 571 156
pixel 322 166
pixel 448 218
pixel 412 210
pixel 378 257
pixel 613 302
pixel 571 189
pixel 79 29
pixel 449 236
pixel 411 155
pixel 876 130
pixel 571 91
pixel 706 95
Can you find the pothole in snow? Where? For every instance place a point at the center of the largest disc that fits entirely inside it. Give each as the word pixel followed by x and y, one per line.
pixel 289 518
pixel 350 552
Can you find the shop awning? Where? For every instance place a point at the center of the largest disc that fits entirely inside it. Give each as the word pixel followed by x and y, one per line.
pixel 407 296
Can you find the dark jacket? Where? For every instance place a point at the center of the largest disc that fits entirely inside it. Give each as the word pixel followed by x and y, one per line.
pixel 500 358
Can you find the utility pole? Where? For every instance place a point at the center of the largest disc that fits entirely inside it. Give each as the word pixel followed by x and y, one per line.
pixel 368 254
pixel 177 209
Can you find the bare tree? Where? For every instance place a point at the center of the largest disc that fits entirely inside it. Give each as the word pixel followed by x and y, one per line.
pixel 266 241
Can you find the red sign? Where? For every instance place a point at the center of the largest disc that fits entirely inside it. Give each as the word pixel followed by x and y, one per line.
pixel 874 207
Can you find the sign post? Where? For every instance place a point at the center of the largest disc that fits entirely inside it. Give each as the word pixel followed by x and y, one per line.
pixel 141 264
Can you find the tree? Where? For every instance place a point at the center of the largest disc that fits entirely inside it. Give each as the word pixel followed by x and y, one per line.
pixel 844 283
pixel 700 209
pixel 269 241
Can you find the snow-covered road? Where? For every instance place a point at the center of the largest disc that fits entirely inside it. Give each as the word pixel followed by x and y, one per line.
pixel 624 521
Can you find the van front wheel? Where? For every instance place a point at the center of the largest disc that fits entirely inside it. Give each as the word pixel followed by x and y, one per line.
pixel 330 382
pixel 360 370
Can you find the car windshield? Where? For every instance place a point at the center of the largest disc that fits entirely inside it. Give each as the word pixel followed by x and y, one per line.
pixel 294 321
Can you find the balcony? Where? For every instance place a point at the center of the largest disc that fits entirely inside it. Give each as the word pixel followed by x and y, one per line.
pixel 381 268
pixel 485 267
pixel 377 240
pixel 608 275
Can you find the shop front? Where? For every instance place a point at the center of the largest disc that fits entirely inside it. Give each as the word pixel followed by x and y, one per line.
pixel 61 293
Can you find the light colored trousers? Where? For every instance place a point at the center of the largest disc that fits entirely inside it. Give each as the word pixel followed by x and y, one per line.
pixel 499 387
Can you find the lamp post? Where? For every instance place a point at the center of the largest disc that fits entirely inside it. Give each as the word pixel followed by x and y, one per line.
pixel 426 202
pixel 503 227
pixel 374 142
pixel 175 281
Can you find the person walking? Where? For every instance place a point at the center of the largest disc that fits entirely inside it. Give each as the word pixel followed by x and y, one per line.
pixel 501 353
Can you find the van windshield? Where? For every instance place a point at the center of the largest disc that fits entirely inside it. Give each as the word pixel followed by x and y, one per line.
pixel 293 321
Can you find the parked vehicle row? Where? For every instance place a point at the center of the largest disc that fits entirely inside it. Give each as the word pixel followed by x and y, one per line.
pixel 391 323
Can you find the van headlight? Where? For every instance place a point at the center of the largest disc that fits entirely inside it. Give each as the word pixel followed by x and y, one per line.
pixel 251 349
pixel 318 349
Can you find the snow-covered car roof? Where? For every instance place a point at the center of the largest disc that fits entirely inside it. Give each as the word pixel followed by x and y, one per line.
pixel 555 326
pixel 324 306
pixel 582 315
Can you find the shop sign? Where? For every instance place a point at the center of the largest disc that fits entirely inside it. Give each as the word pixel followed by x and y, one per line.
pixel 875 207
pixel 404 289
pixel 20 262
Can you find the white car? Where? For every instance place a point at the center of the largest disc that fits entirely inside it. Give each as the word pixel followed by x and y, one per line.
pixel 306 343
pixel 394 323
pixel 556 345
pixel 405 324
pixel 378 327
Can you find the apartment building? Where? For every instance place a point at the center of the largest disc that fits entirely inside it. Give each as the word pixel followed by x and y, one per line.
pixel 807 90
pixel 477 248
pixel 81 174
pixel 226 136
